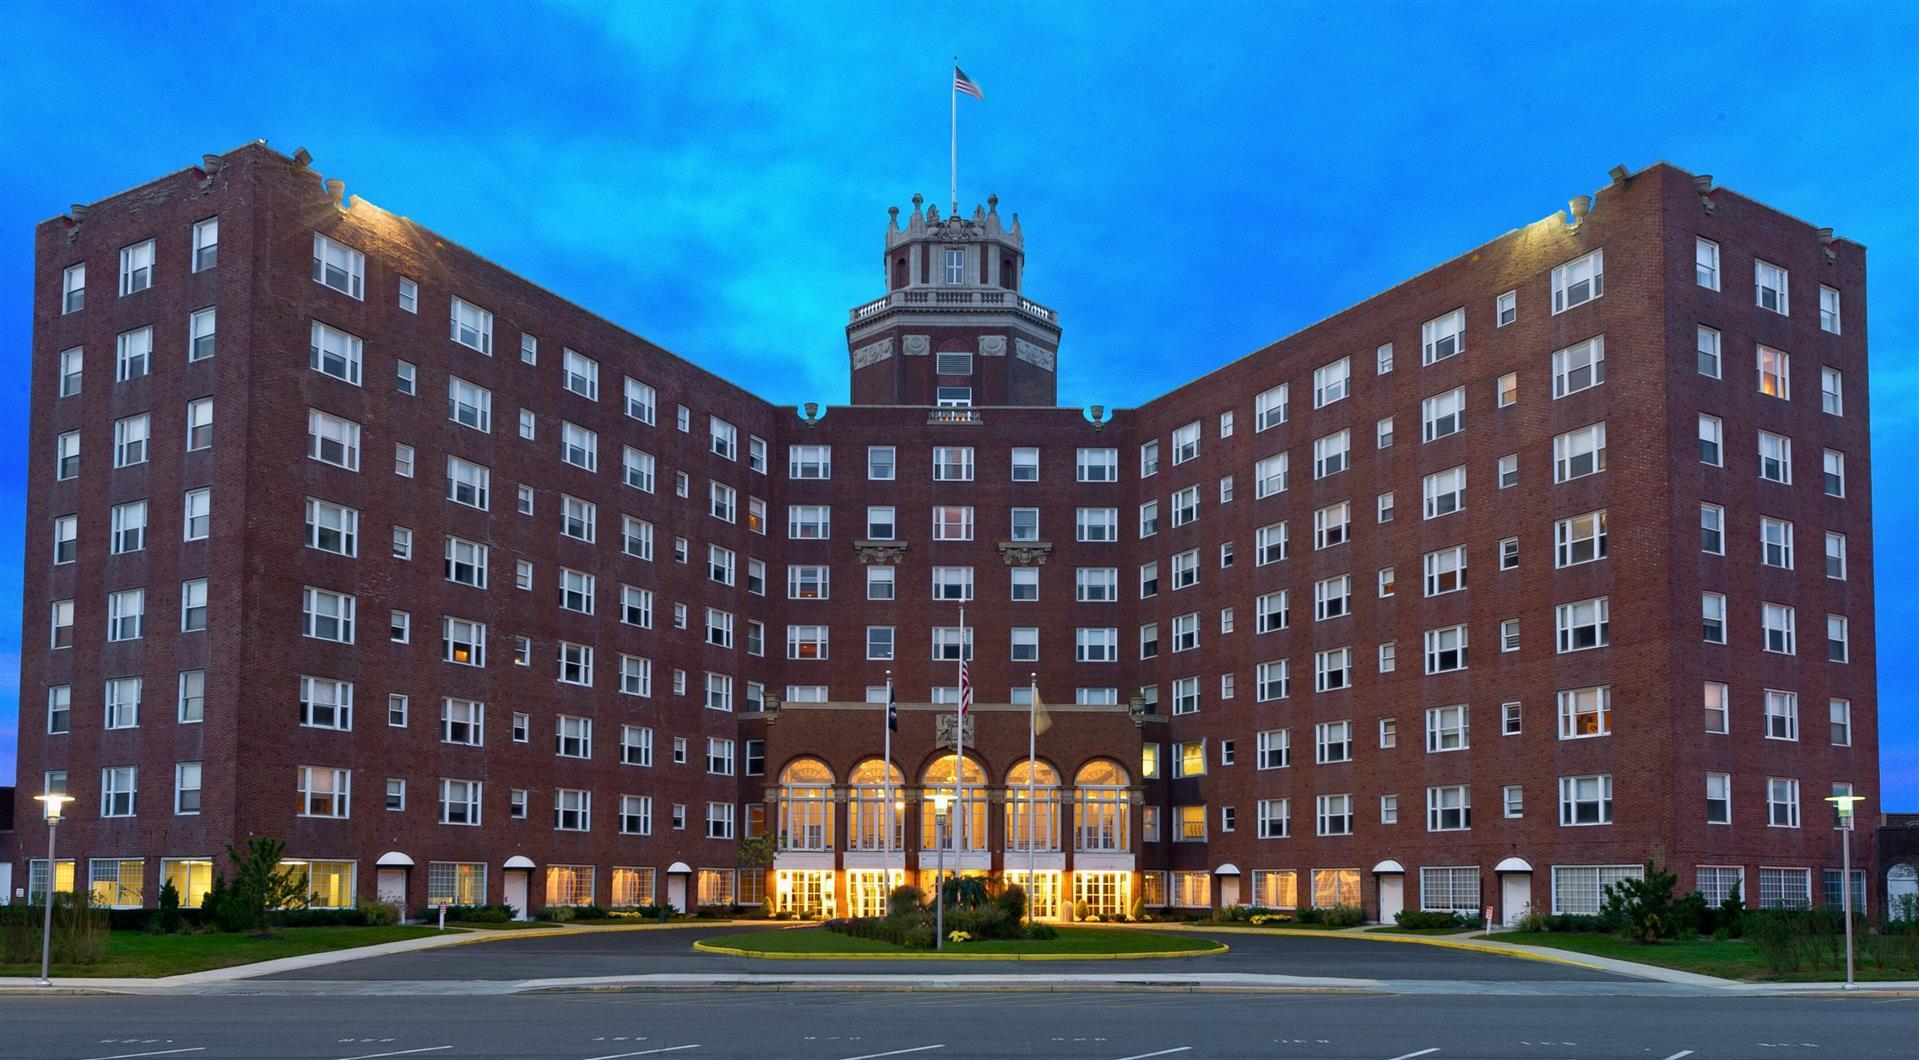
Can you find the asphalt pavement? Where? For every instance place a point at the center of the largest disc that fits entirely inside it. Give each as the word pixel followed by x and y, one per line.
pixel 964 1026
pixel 626 953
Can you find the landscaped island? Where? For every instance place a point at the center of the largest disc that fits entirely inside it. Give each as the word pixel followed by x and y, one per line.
pixel 1067 942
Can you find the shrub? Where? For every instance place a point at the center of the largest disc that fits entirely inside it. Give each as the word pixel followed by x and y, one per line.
pixel 1041 932
pixel 1345 916
pixel 1310 915
pixel 556 914
pixel 1730 922
pixel 262 890
pixel 472 914
pixel 167 919
pixel 1643 907
pixel 79 928
pixel 20 933
pixel 1532 921
pixel 1418 919
pixel 375 913
pixel 904 900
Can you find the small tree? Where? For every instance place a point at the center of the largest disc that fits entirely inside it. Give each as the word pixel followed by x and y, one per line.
pixel 167 919
pixel 1643 907
pixel 261 888
pixel 1732 914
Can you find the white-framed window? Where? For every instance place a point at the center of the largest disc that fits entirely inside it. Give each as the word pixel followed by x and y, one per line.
pixel 1712 607
pixel 1579 453
pixel 809 462
pixel 199 424
pixel 186 789
pixel 579 446
pixel 136 267
pixel 409 295
pixel 1835 556
pixel 1770 289
pixel 73 288
pixel 67 457
pixel 72 366
pixel 1717 702
pixel 1449 808
pixel 1583 625
pixel 327 615
pixel 814 581
pixel 1332 525
pixel 130 437
pixel 325 791
pixel 1578 367
pixel 1443 337
pixel 810 642
pixel 468 483
pixel 326 703
pixel 1775 542
pixel 1185 504
pixel 1332 382
pixel 1101 644
pixel 1579 281
pixel 1445 570
pixel 1839 712
pixel 1097 465
pixel 572 810
pixel 1838 643
pixel 1443 414
pixel 1185 443
pixel 1585 800
pixel 122 703
pixel 1334 814
pixel 126 614
pixel 1269 408
pixel 332 440
pixel 1333 597
pixel 1719 798
pixel 1332 669
pixel 1148 459
pixel 1579 539
pixel 202 325
pixel 460 802
pixel 1444 492
pixel 1275 818
pixel 1506 309
pixel 642 401
pixel 1448 729
pixel 580 374
pixel 1513 801
pixel 334 352
pixel 193 605
pixel 1708 352
pixel 1775 373
pixel 1706 264
pixel 1712 439
pixel 472 326
pixel 129 528
pixel 1331 454
pixel 952 463
pixel 1585 712
pixel 1089 524
pixel 1779 621
pixel 1712 529
pixel 1445 649
pixel 1025 464
pixel 1269 544
pixel 339 266
pixel 1579 889
pixel 1091 585
pixel 1782 803
pixel 1833 465
pixel 1832 399
pixel 1269 476
pixel 1829 309
pixel 469 404
pixel 1383 433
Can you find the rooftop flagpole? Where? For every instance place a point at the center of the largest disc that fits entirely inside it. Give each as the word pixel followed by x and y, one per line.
pixel 953 90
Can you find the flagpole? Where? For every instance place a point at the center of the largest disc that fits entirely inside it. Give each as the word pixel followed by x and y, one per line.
pixel 1032 750
pixel 886 783
pixel 953 90
pixel 959 737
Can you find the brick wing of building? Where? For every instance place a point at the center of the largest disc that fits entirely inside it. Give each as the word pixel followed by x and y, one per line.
pixel 1552 559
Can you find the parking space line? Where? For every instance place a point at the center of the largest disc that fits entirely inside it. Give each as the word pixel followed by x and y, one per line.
pixel 162 1052
pixel 643 1052
pixel 896 1052
pixel 1422 1052
pixel 1162 1052
pixel 1680 1055
pixel 402 1052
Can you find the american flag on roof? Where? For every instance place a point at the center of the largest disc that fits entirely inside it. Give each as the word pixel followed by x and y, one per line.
pixel 962 83
pixel 966 689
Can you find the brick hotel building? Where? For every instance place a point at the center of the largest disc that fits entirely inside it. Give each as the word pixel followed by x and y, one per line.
pixel 1551 559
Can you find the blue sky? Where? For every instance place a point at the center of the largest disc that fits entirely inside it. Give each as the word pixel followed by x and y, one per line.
pixel 1195 180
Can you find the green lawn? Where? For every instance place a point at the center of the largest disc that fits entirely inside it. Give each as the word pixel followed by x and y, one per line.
pixel 1395 929
pixel 1727 959
pixel 136 954
pixel 1073 940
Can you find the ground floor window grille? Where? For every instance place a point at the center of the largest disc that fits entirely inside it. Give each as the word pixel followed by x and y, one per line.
pixel 1335 887
pixel 192 877
pixel 1275 888
pixel 1836 900
pixel 569 885
pixel 807 893
pixel 1453 890
pixel 117 883
pixel 1193 890
pixel 37 877
pixel 716 887
pixel 1716 882
pixel 329 884
pixel 867 890
pixel 1094 893
pixel 1579 889
pixel 1785 888
pixel 632 886
pixel 752 887
pixel 1152 889
pixel 456 883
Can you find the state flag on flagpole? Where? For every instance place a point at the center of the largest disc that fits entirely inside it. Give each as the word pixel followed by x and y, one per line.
pixel 965 690
pixel 892 710
pixel 962 83
pixel 1042 721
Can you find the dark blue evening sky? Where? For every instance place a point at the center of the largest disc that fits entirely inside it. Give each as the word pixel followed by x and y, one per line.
pixel 1195 181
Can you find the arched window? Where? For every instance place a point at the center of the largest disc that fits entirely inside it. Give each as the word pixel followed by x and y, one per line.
pixel 1032 817
pixel 966 823
pixel 1902 892
pixel 806 805
pixel 1102 807
pixel 874 785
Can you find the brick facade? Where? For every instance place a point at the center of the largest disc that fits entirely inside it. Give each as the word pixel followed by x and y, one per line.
pixel 256 563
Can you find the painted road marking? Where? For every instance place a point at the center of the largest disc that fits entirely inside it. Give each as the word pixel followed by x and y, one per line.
pixel 1680 1055
pixel 1422 1052
pixel 896 1052
pixel 1162 1052
pixel 162 1052
pixel 402 1052
pixel 643 1052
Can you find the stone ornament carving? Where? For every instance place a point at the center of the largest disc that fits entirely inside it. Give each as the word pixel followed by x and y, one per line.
pixel 1025 553
pixel 992 345
pixel 885 553
pixel 873 353
pixel 918 345
pixel 943 729
pixel 1033 354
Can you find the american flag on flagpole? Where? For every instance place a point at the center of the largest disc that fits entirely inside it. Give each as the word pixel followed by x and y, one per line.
pixel 966 689
pixel 962 83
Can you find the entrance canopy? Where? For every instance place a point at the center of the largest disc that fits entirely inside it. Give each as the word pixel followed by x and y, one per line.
pixel 393 859
pixel 1513 865
pixel 519 861
pixel 1389 867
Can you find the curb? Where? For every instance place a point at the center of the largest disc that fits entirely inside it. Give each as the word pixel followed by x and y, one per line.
pixel 705 946
pixel 1415 940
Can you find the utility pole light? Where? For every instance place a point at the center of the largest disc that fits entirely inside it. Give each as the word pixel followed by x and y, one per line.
pixel 54 804
pixel 1842 806
pixel 941 800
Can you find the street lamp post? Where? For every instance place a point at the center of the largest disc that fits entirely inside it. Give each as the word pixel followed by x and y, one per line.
pixel 1843 805
pixel 53 803
pixel 940 801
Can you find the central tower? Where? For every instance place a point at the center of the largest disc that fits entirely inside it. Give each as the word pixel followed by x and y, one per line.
pixel 953 328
